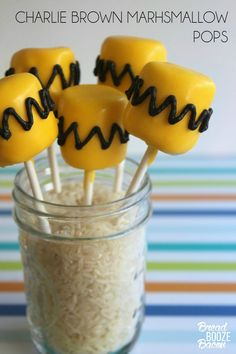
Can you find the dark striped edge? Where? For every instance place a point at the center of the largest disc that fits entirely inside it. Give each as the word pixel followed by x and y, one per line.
pixel 173 213
pixel 150 310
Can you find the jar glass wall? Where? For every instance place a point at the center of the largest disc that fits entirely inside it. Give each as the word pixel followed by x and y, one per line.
pixel 84 279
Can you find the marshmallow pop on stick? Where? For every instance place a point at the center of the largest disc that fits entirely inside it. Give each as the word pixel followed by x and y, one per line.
pixel 25 115
pixel 121 59
pixel 56 69
pixel 168 109
pixel 91 132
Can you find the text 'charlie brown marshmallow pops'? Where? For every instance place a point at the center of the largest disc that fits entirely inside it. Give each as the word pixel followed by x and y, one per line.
pixel 168 109
pixel 91 132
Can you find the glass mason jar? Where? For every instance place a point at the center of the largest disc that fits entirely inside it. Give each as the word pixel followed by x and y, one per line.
pixel 84 280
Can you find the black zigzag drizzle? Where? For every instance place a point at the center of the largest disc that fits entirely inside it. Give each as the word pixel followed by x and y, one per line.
pixel 30 103
pixel 136 98
pixel 103 67
pixel 96 131
pixel 57 71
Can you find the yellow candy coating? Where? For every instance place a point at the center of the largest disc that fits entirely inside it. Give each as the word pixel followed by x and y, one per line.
pixel 90 106
pixel 188 87
pixel 44 59
pixel 23 145
pixel 130 50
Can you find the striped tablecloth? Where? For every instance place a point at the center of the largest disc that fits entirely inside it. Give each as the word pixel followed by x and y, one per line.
pixel 191 262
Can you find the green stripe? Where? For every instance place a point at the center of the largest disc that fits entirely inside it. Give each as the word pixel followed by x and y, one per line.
pixel 192 247
pixel 173 183
pixel 161 183
pixel 6 184
pixel 195 183
pixel 151 266
pixel 189 266
pixel 10 266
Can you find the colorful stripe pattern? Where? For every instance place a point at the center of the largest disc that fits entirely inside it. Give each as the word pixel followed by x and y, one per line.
pixel 191 257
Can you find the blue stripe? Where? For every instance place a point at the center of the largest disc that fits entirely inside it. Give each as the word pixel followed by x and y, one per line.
pixel 191 170
pixel 157 170
pixel 186 247
pixel 6 212
pixel 158 246
pixel 12 310
pixel 153 227
pixel 147 336
pixel 176 336
pixel 171 212
pixel 9 246
pixel 192 213
pixel 150 310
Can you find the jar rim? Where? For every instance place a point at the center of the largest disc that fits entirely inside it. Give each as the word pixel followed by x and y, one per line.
pixel 135 197
pixel 69 213
pixel 55 237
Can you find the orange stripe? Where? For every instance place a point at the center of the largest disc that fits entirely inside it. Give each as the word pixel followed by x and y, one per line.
pixel 191 287
pixel 189 197
pixel 11 287
pixel 150 287
pixel 5 197
pixel 168 197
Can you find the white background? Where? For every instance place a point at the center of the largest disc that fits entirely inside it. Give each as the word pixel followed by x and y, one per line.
pixel 218 60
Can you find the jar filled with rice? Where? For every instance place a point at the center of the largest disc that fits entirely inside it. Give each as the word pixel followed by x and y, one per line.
pixel 84 280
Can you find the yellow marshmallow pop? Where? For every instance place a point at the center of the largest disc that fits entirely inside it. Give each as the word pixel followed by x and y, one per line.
pixel 168 109
pixel 120 60
pixel 26 112
pixel 56 69
pixel 91 132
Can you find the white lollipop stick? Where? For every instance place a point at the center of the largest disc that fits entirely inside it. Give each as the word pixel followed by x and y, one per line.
pixel 119 175
pixel 37 193
pixel 89 177
pixel 147 159
pixel 54 169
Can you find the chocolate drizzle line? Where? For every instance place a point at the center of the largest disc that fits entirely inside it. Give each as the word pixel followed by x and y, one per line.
pixel 103 67
pixel 79 144
pixel 57 71
pixel 136 98
pixel 30 103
